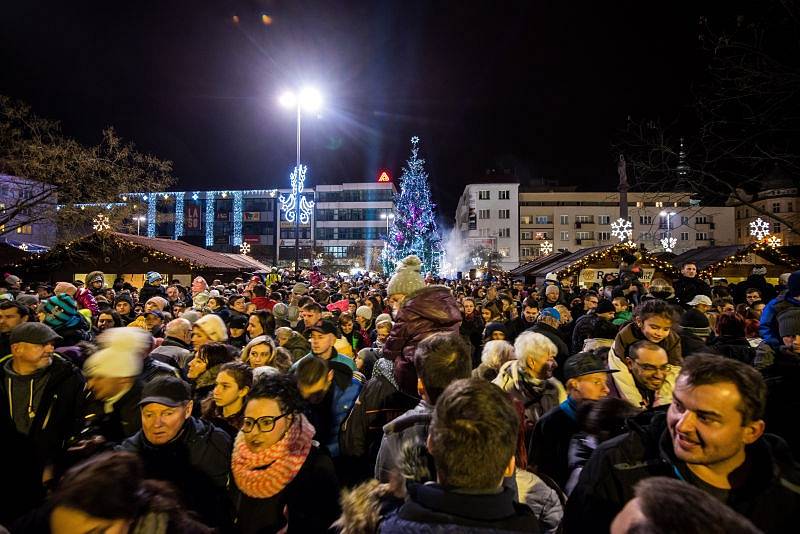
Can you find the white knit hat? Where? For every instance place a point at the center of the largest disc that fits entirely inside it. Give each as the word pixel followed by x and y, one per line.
pixel 407 279
pixel 213 326
pixel 365 312
pixel 121 355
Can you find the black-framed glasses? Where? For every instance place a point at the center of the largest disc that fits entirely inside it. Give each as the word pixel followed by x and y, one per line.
pixel 647 368
pixel 265 424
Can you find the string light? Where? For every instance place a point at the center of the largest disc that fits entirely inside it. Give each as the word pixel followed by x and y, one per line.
pixel 209 218
pixel 296 199
pixel 237 218
pixel 151 215
pixel 179 215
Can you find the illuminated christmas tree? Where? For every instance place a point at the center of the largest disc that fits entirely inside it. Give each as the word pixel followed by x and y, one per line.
pixel 413 230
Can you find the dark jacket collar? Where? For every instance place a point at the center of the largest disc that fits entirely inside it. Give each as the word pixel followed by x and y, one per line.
pixel 170 341
pixel 476 507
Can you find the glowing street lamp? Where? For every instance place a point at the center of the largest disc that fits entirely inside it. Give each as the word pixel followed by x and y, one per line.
pixel 139 220
pixel 388 217
pixel 308 99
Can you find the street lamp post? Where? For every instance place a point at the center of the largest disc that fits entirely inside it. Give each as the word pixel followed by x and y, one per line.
pixel 139 219
pixel 310 100
pixel 388 217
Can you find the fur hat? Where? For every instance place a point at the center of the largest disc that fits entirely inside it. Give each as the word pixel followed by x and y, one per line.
pixel 213 326
pixel 407 278
pixel 121 355
pixel 95 275
pixel 695 322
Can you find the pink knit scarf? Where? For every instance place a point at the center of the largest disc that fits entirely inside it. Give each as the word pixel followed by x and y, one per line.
pixel 263 474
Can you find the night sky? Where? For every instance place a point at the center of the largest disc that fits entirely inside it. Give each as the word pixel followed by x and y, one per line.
pixel 543 84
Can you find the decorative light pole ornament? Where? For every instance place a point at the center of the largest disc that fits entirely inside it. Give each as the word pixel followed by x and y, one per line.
pixel 23 247
pixel 668 243
pixel 101 223
pixel 759 229
pixel 622 229
pixel 774 241
pixel 290 205
pixel 244 248
pixel 546 247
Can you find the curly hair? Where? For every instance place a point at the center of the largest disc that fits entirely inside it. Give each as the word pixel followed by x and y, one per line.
pixel 279 387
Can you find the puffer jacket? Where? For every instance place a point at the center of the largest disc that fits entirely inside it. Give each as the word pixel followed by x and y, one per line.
pixel 769 318
pixel 425 312
pixel 297 345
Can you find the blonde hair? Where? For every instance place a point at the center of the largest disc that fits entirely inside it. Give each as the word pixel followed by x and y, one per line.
pixel 496 353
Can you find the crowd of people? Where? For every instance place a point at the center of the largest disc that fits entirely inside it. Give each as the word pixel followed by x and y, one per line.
pixel 309 403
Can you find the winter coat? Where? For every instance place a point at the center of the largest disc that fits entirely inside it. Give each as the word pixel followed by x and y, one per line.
pixel 551 438
pixel 754 281
pixel 472 329
pixel 57 419
pixel 736 348
pixel 543 500
pixel 310 501
pixel 425 312
pixel 379 403
pixel 537 396
pixel 197 463
pixel 85 299
pixel 769 318
pixel 688 288
pixel 584 326
pixel 149 291
pixel 173 352
pixel 783 405
pixel 622 381
pixel 769 498
pixel 692 344
pixel 433 509
pixel 516 327
pixel 73 335
pixel 124 420
pixel 410 429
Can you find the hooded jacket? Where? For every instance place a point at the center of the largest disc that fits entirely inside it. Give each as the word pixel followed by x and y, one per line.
pixel 770 497
pixel 425 312
pixel 769 318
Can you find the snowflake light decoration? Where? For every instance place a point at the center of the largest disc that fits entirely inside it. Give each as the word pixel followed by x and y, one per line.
pixel 668 243
pixel 621 229
pixel 244 248
pixel 546 247
pixel 774 241
pixel 23 247
pixel 759 229
pixel 101 223
pixel 289 204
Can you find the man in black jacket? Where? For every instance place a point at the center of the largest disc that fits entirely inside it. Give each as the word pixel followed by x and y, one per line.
pixel 712 437
pixel 41 400
pixel 687 286
pixel 193 455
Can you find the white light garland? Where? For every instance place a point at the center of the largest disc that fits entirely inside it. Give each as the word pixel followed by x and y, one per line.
pixel 759 229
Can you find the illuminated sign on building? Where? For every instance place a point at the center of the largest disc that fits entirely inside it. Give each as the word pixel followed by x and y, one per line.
pixel 384 176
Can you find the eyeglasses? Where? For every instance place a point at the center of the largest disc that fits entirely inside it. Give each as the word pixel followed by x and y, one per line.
pixel 647 368
pixel 265 424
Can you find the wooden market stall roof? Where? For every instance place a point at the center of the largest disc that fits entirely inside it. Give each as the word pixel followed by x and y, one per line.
pixel 709 260
pixel 118 246
pixel 254 264
pixel 573 263
pixel 536 264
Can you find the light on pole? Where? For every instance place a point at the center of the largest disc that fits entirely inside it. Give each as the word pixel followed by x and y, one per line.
pixel 388 217
pixel 668 242
pixel 308 99
pixel 139 220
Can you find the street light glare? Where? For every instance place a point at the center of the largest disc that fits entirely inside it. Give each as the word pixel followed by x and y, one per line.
pixel 287 99
pixel 310 99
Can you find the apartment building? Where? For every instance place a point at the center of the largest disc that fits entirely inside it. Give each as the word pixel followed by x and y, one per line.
pixel 487 217
pixel 779 197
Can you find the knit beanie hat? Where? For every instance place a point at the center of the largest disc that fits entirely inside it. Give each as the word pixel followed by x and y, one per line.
pixel 61 310
pixel 383 318
pixel 407 278
pixel 121 355
pixel 280 311
pixel 213 326
pixel 789 322
pixel 199 285
pixel 365 312
pixel 793 286
pixel 695 322
pixel 492 328
pixel 124 297
pixel 160 302
pixel 65 287
pixel 300 289
pixel 153 277
pixel 605 306
pixel 191 315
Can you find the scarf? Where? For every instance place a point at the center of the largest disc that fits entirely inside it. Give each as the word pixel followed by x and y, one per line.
pixel 263 474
